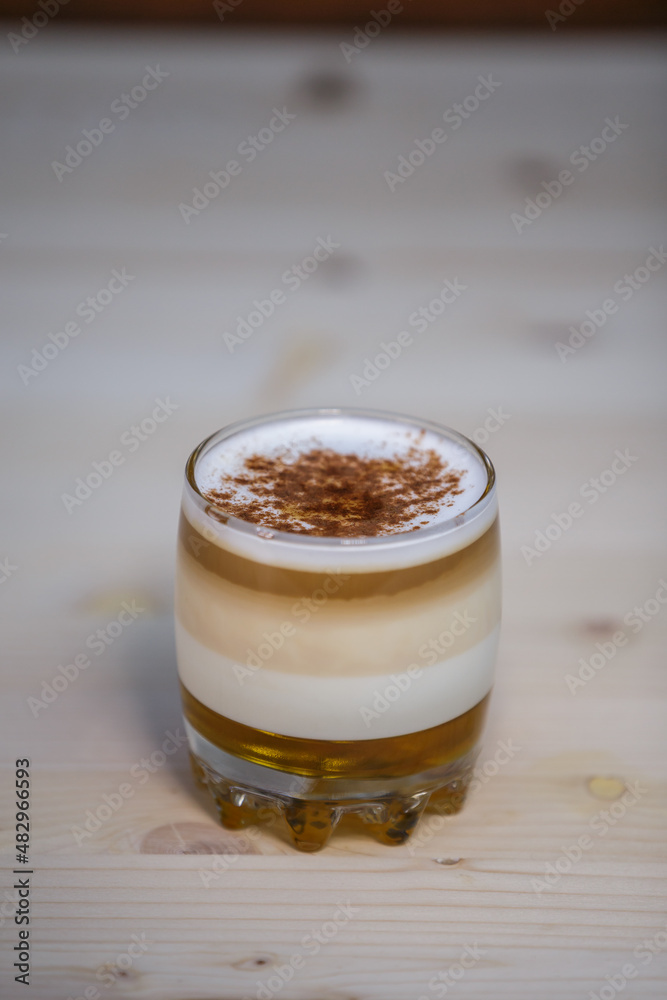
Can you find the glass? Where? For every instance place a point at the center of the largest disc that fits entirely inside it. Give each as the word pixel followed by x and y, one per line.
pixel 331 677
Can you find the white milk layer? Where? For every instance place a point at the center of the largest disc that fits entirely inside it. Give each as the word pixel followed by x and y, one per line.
pixel 458 521
pixel 337 708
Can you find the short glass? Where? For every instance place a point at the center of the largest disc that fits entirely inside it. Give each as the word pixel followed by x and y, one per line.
pixel 336 677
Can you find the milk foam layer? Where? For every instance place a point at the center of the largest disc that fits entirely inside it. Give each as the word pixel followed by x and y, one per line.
pixel 458 521
pixel 366 437
pixel 338 708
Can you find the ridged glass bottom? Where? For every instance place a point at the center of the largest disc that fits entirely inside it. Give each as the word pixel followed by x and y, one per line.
pixel 247 793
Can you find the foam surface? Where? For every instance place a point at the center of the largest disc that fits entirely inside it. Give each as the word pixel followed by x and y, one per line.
pixel 367 437
pixel 448 531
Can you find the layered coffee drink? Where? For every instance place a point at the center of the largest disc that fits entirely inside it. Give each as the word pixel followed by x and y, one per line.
pixel 337 617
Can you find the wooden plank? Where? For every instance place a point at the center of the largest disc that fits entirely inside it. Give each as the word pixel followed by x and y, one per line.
pixel 222 910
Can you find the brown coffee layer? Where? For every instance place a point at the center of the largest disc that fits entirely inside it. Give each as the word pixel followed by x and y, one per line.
pixel 375 635
pixel 392 757
pixel 455 571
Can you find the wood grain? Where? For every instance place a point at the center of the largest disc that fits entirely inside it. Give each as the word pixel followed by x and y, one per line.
pixel 221 911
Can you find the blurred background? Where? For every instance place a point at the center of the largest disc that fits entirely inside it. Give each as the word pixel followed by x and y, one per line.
pixel 162 181
pixel 114 132
pixel 479 14
pixel 166 186
pixel 170 169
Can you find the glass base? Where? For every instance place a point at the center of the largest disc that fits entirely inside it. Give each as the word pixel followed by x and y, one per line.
pixel 250 794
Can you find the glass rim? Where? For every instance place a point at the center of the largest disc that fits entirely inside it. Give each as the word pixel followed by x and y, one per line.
pixel 223 517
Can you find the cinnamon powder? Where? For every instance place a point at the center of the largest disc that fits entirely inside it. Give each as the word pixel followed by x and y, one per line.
pixel 327 493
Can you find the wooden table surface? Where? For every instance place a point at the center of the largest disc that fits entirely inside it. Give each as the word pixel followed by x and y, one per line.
pixel 550 884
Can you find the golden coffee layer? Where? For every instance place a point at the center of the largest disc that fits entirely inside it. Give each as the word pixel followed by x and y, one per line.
pixel 392 757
